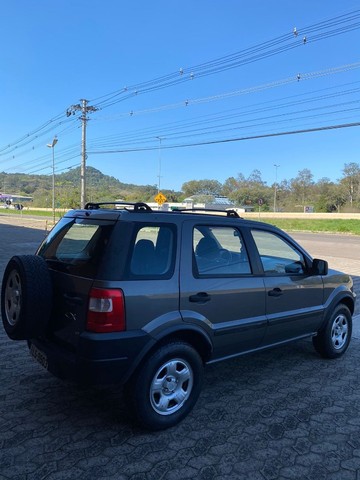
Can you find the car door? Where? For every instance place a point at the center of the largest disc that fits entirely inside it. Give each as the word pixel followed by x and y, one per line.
pixel 151 282
pixel 218 291
pixel 294 296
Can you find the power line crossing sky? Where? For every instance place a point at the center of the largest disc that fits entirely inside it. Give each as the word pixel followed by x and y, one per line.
pixel 202 75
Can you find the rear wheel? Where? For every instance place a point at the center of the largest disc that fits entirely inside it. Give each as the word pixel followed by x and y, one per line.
pixel 334 339
pixel 167 386
pixel 26 297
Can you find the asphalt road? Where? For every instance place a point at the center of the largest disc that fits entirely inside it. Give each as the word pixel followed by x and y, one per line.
pixel 330 245
pixel 283 414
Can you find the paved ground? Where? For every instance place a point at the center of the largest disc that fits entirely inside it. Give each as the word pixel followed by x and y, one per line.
pixel 280 414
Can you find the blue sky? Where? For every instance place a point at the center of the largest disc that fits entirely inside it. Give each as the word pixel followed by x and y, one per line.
pixel 55 53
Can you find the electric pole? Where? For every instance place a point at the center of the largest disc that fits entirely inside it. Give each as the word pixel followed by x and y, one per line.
pixel 84 108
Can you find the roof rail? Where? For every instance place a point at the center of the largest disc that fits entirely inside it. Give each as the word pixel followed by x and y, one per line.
pixel 228 213
pixel 141 207
pixel 137 207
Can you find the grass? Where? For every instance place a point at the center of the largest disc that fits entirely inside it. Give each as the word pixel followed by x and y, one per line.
pixel 346 226
pixel 316 225
pixel 32 213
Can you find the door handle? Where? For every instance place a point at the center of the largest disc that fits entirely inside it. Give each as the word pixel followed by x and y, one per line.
pixel 201 297
pixel 275 292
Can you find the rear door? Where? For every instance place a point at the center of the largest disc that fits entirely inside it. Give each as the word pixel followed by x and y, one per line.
pixel 219 292
pixel 151 282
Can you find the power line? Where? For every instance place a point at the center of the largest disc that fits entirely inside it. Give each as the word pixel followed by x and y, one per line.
pixel 317 32
pixel 329 28
pixel 34 134
pixel 190 128
pixel 237 139
pixel 36 171
pixel 181 129
pixel 18 152
pixel 244 91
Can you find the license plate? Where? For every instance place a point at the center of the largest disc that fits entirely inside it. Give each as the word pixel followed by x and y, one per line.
pixel 39 356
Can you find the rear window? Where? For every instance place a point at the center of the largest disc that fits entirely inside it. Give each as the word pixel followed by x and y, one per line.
pixel 77 245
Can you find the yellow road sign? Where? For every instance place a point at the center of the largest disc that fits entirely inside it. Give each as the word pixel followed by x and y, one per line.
pixel 160 198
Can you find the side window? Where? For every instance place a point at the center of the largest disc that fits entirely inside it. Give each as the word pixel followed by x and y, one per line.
pixel 278 256
pixel 219 251
pixel 153 252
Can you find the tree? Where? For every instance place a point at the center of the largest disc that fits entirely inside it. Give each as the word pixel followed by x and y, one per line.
pixel 202 187
pixel 230 186
pixel 283 195
pixel 328 196
pixel 301 186
pixel 255 179
pixel 248 191
pixel 336 197
pixel 351 180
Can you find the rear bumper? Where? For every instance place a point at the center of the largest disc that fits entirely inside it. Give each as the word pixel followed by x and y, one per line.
pixel 101 358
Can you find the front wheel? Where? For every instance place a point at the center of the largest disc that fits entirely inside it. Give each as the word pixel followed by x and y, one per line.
pixel 334 339
pixel 167 386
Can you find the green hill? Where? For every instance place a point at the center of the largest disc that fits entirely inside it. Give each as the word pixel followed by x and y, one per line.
pixel 99 187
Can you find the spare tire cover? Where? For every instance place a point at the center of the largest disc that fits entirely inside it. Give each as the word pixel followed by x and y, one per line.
pixel 26 297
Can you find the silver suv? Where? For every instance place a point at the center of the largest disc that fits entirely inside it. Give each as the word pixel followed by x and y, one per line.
pixel 119 293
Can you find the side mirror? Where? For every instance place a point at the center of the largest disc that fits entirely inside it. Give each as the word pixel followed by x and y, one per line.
pixel 319 267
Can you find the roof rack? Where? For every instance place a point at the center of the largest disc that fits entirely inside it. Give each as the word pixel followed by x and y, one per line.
pixel 137 207
pixel 141 207
pixel 228 213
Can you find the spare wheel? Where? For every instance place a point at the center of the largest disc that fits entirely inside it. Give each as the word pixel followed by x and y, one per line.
pixel 26 297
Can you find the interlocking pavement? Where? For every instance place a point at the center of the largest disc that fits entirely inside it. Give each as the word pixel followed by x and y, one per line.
pixel 280 414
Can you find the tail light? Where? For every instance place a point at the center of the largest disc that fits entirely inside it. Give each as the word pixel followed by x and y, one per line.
pixel 106 311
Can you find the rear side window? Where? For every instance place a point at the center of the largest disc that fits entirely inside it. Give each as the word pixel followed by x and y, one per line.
pixel 76 246
pixel 153 252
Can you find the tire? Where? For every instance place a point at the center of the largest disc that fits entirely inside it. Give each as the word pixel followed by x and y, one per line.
pixel 334 339
pixel 26 297
pixel 167 386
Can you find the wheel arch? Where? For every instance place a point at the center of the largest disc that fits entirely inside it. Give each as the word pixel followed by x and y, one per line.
pixel 348 302
pixel 199 340
pixel 339 300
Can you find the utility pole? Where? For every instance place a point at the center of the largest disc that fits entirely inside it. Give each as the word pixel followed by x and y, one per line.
pixel 52 146
pixel 275 187
pixel 159 176
pixel 84 108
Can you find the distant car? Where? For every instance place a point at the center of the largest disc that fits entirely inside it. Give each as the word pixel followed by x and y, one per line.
pixel 119 293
